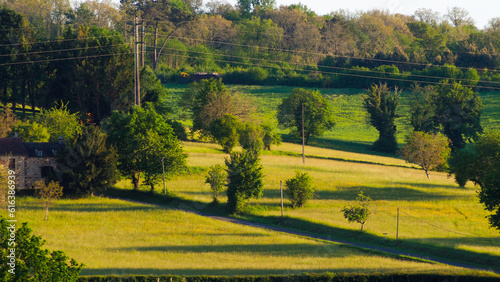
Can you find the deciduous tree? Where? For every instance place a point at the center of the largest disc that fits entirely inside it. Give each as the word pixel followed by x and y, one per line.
pixel 427 150
pixel 318 114
pixel 48 193
pixel 299 189
pixel 216 177
pixel 142 138
pixel 381 105
pixel 479 162
pixel 360 212
pixel 31 262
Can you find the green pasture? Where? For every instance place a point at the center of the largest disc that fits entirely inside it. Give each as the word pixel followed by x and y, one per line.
pixel 352 131
pixel 434 213
pixel 117 237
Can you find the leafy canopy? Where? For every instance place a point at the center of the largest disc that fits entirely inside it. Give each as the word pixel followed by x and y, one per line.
pixel 244 175
pixel 318 114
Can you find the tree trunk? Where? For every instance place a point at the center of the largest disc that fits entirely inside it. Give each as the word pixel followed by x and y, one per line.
pixel 152 187
pixel 362 225
pixel 136 180
pixel 46 213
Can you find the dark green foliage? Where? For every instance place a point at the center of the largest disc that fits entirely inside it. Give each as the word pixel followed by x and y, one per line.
pixel 318 115
pixel 270 136
pixel 217 179
pixel 480 163
pixel 251 137
pixel 32 263
pixel 360 212
pixel 381 105
pixel 422 108
pixel 225 132
pixel 209 100
pixel 88 164
pixel 142 138
pixel 300 189
pixel 244 177
pixel 179 129
pixel 458 112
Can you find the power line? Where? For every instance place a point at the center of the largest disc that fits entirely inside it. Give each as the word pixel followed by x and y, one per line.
pixel 327 72
pixel 65 59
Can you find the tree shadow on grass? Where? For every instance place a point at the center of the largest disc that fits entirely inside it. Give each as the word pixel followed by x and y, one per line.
pixel 280 274
pixel 267 250
pixel 396 193
pixel 93 207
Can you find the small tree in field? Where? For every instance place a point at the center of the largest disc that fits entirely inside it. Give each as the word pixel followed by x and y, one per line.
pixel 48 193
pixel 244 175
pixel 426 150
pixel 217 179
pixel 300 189
pixel 358 213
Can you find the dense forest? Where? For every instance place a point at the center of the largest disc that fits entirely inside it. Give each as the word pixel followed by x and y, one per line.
pixel 83 53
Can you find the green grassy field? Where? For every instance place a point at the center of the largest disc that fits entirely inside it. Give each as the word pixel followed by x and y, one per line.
pixel 434 214
pixel 351 132
pixel 116 237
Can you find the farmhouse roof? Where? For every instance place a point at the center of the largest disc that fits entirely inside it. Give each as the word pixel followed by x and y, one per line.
pixel 12 146
pixel 45 149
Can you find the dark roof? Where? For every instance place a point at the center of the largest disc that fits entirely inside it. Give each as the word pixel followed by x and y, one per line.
pixel 12 146
pixel 47 148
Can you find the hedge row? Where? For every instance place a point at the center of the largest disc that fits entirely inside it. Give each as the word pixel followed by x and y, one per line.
pixel 299 278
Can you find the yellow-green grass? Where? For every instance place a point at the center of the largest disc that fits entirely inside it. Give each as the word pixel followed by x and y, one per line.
pixel 434 212
pixel 117 237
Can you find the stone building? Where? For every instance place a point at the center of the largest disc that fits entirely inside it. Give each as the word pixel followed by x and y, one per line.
pixel 32 161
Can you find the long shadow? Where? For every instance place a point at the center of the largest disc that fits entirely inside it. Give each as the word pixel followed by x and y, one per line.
pixel 318 230
pixel 90 207
pixel 470 241
pixel 396 193
pixel 481 260
pixel 275 250
pixel 281 275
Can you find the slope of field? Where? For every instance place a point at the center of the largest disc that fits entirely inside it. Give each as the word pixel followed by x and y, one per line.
pixel 118 237
pixel 351 132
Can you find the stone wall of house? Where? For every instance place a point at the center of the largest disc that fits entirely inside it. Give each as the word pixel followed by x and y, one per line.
pixel 34 167
pixel 20 169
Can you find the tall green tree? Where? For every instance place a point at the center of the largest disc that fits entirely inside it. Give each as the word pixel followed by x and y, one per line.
pixel 31 131
pixel 60 122
pixel 458 112
pixel 244 176
pixel 479 162
pixel 381 105
pixel 318 114
pixel 88 164
pixel 208 100
pixel 142 138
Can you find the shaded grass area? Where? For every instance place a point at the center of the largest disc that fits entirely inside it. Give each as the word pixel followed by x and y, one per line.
pixel 112 236
pixel 436 214
pixel 486 261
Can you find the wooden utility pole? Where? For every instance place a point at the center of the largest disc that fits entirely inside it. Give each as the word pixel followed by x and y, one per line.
pixel 281 189
pixel 143 44
pixel 303 137
pixel 137 72
pixel 397 227
pixel 163 166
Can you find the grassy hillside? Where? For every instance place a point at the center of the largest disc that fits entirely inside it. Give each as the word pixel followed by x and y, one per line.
pixel 117 237
pixel 352 132
pixel 435 215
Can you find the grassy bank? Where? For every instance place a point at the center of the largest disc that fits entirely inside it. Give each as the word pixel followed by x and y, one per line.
pixel 117 237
